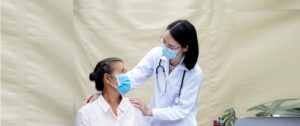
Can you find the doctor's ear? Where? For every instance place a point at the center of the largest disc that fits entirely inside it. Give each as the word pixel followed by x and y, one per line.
pixel 185 48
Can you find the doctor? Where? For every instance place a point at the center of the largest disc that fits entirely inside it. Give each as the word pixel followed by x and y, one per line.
pixel 177 78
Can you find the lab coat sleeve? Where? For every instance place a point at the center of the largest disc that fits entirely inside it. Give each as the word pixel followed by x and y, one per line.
pixel 188 99
pixel 81 119
pixel 143 71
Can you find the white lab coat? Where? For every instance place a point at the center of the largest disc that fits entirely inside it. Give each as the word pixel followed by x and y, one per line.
pixel 165 111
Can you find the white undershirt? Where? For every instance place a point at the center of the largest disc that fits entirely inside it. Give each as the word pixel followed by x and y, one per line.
pixel 171 68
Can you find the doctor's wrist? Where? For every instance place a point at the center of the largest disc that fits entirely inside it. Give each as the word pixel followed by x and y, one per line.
pixel 149 112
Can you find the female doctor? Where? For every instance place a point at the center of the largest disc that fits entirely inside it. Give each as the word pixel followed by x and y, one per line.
pixel 177 78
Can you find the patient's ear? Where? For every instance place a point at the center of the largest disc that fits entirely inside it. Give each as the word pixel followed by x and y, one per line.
pixel 106 78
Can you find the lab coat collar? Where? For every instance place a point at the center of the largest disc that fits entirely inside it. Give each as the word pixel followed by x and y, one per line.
pixel 180 66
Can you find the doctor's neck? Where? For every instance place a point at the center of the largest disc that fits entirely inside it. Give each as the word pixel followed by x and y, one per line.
pixel 176 61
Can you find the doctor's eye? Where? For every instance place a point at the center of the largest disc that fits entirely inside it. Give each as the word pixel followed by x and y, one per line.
pixel 124 71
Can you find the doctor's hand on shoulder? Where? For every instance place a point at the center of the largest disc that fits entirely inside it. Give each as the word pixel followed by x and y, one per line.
pixel 146 110
pixel 90 98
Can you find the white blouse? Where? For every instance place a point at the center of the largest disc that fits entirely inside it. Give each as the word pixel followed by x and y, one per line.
pixel 99 113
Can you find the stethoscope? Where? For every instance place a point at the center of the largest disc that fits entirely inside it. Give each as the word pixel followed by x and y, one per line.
pixel 177 99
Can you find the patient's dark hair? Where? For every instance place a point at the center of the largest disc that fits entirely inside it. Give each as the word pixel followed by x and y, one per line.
pixel 185 34
pixel 104 66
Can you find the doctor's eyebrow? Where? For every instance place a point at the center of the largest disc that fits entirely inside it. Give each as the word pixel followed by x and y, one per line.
pixel 164 41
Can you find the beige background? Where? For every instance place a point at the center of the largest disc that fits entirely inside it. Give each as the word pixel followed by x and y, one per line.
pixel 249 52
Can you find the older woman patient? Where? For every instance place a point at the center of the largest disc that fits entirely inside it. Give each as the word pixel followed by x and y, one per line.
pixel 110 109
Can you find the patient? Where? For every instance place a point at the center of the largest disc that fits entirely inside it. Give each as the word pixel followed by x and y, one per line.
pixel 110 108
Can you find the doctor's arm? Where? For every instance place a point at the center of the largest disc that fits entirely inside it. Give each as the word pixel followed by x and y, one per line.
pixel 188 99
pixel 143 71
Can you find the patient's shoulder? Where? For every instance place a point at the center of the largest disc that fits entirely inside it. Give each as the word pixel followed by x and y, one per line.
pixel 89 108
pixel 131 107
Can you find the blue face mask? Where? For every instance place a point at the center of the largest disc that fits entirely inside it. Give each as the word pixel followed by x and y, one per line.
pixel 168 53
pixel 124 83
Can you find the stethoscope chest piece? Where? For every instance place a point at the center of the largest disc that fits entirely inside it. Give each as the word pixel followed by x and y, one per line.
pixel 177 100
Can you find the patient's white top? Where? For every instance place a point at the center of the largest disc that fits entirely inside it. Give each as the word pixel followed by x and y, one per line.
pixel 99 113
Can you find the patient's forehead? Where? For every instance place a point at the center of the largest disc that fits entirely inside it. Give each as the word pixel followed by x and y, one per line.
pixel 119 67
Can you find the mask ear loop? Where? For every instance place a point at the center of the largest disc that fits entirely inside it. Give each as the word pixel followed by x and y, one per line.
pixel 117 80
pixel 113 85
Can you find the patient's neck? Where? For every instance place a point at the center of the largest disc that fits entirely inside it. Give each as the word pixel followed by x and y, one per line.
pixel 112 97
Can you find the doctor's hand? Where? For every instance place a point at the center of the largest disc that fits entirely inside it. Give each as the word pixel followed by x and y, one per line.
pixel 147 111
pixel 90 99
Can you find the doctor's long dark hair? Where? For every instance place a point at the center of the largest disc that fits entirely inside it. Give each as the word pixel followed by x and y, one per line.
pixel 185 34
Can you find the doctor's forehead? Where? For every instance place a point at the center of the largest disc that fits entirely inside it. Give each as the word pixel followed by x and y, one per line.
pixel 168 39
